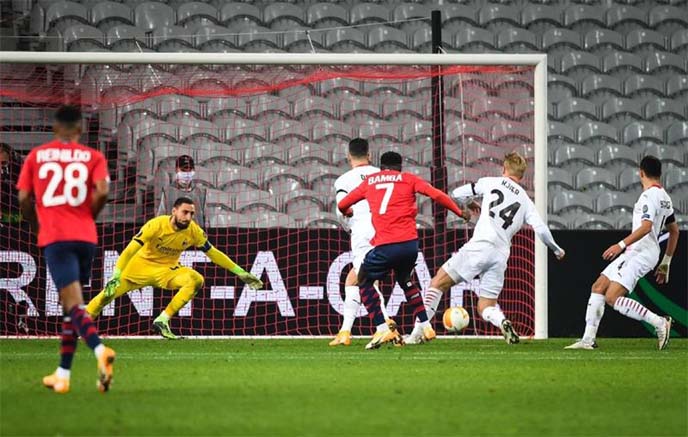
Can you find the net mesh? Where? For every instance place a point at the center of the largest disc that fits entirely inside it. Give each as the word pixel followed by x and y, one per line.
pixel 267 144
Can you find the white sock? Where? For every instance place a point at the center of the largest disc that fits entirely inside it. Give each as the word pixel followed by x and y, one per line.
pixel 593 315
pixel 63 373
pixel 352 301
pixel 635 310
pixel 425 324
pixel 382 327
pixel 432 301
pixel 99 350
pixel 383 308
pixel 493 315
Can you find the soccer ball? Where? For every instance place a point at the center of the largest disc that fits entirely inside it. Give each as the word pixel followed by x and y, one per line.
pixel 455 319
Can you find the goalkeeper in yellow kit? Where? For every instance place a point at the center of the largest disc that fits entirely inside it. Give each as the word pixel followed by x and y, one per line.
pixel 152 258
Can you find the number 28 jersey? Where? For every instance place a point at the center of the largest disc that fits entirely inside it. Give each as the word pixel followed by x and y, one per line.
pixel 62 176
pixel 505 208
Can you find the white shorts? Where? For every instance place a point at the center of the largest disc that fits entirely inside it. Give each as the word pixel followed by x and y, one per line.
pixel 628 268
pixel 359 254
pixel 471 261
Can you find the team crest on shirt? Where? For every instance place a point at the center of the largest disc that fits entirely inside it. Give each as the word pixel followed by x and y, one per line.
pixel 644 208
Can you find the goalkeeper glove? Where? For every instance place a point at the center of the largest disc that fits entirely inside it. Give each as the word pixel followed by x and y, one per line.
pixel 112 284
pixel 662 273
pixel 251 280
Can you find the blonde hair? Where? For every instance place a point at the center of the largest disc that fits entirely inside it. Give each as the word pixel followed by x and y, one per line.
pixel 515 164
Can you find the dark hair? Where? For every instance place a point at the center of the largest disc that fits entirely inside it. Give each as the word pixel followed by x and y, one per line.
pixel 358 148
pixel 68 115
pixel 182 201
pixel 185 163
pixel 390 161
pixel 651 166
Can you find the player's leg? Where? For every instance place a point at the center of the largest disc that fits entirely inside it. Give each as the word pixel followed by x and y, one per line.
pixel 616 298
pixel 188 282
pixel 100 301
pixel 439 284
pixel 352 301
pixel 491 283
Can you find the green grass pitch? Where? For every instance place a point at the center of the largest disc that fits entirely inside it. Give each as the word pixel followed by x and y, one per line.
pixel 303 387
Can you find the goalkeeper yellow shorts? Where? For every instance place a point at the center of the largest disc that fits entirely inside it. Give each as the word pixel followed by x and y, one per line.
pixel 156 275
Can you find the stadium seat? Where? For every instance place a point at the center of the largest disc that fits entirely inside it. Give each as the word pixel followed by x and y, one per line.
pixel 411 16
pixel 171 38
pixel 227 219
pixel 239 129
pixel 560 87
pixel 62 14
pixel 151 15
pixel 668 19
pixel 556 222
pixel 324 220
pixel 579 64
pixel 629 179
pixel 240 13
pixel 540 18
pixel 620 112
pixel 512 132
pixel 78 38
pixel 583 18
pixel 514 40
pixel 559 179
pixel 572 201
pixel 214 37
pixel 643 86
pixel 600 87
pixel 382 38
pixel 274 220
pixel 573 157
pixel 459 175
pixel 106 14
pixel 645 41
pixel 675 179
pixel 282 130
pixel 455 16
pixel 677 133
pixel 622 63
pixel 219 199
pixel 300 40
pixel 330 130
pixel 213 154
pixel 308 152
pixel 642 131
pixel 172 104
pixel 624 221
pixel 339 85
pixel 353 107
pixel 196 14
pixel 344 39
pixel 421 40
pixel 616 157
pixel 576 109
pixel 613 202
pixel 314 107
pixel 595 180
pixel 416 130
pixel 364 13
pixel 298 201
pixel 255 201
pixel 664 111
pixel 267 108
pixel 665 63
pixel 603 41
pixel 593 222
pixel 326 15
pixel 235 178
pixel 624 19
pixel 679 42
pixel 478 153
pixel 559 133
pixel 496 16
pixel 256 38
pixel 597 133
pixel 128 38
pixel 283 15
pixel 560 40
pixel 401 108
pixel 474 39
pixel 667 154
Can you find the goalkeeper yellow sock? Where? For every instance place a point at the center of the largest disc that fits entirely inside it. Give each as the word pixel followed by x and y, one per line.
pixel 96 305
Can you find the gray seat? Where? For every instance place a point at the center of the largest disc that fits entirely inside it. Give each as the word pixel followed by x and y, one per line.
pixel 314 107
pixel 195 14
pixel 308 152
pixel 556 39
pixel 491 107
pixel 540 18
pixel 560 87
pixel 421 40
pixel 344 39
pixel 557 222
pixel 666 154
pixel 416 130
pixel 240 13
pixel 151 15
pixel 600 86
pixel 302 199
pixel 642 131
pixel 629 179
pixel 326 15
pixel 576 109
pixel 624 18
pixel 124 35
pixel 558 179
pixel 191 126
pixel 512 131
pixel 560 132
pixel 668 19
pixel 254 201
pixel 214 37
pixel 330 130
pixel 494 16
pixel 644 41
pixel 578 62
pixel 106 14
pixel 593 222
pixel 583 17
pixel 283 130
pixel 663 62
pixel 619 111
pixel 679 41
pixel 213 154
pixel 595 133
pixel 324 220
pixel 300 40
pixel 219 199
pixel 171 38
pixel 354 106
pixel 227 219
pixel 238 129
pixel 283 16
pixel 458 15
pixel 622 63
pixel 478 153
pixel 624 222
pixel 459 175
pixel 677 133
pixel 275 172
pixel 595 180
pixel 339 85
pixel 664 111
pixel 233 176
pixel 263 106
pixel 675 179
pixel 603 41
pixel 256 37
pixel 573 156
pixel 610 202
pixel 516 40
pixel 172 104
pixel 385 37
pixel 472 39
pixel 567 201
pixel 80 38
pixel 363 13
pixel 63 14
pixel 274 220
pixel 617 157
pixel 638 85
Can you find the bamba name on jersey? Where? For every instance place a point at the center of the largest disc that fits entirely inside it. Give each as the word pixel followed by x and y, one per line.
pixel 384 178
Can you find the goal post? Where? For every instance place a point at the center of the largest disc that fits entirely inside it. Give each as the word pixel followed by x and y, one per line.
pixel 360 68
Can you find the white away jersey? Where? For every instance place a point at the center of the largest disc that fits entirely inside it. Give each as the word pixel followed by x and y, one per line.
pixel 654 204
pixel 360 224
pixel 505 208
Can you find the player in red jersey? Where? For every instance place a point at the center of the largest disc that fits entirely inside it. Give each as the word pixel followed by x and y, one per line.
pixel 392 198
pixel 70 184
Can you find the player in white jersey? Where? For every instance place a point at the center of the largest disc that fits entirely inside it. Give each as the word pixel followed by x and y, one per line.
pixel 362 231
pixel 652 212
pixel 505 208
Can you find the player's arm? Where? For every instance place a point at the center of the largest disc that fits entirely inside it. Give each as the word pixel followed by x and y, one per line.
pixel 468 192
pixel 25 187
pixel 101 186
pixel 423 187
pixel 344 205
pixel 221 259
pixel 147 232
pixel 662 272
pixel 542 231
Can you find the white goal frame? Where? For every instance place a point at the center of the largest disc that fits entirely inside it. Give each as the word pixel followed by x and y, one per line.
pixel 539 61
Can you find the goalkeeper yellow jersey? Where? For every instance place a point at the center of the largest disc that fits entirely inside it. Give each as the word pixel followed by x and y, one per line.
pixel 162 244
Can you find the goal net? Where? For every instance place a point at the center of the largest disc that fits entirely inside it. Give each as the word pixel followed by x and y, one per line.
pixel 258 147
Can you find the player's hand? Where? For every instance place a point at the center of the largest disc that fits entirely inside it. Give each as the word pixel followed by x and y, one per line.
pixel 612 252
pixel 662 273
pixel 560 254
pixel 466 214
pixel 251 280
pixel 474 207
pixel 112 284
pixel 349 213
